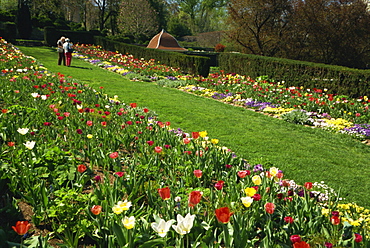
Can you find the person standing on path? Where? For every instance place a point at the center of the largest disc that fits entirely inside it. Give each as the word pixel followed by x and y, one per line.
pixel 67 46
pixel 61 55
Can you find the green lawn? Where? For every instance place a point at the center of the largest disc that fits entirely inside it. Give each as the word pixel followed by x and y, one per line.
pixel 303 153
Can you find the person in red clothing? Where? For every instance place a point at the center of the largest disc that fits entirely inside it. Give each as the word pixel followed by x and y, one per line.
pixel 68 49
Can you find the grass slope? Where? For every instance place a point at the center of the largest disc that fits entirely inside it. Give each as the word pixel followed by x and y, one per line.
pixel 303 153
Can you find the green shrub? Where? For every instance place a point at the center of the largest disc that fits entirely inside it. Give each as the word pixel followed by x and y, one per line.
pixel 296 116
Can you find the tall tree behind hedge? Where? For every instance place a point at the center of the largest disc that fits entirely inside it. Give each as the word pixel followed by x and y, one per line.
pixel 326 31
pixel 332 32
pixel 138 18
pixel 259 26
pixel 23 20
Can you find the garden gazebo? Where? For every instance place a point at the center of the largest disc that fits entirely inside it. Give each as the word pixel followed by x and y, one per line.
pixel 165 41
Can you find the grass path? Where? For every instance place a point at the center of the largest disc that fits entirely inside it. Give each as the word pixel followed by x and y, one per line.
pixel 303 153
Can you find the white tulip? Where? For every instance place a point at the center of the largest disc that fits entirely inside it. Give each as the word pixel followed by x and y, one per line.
pixel 184 225
pixel 23 131
pixel 30 144
pixel 162 227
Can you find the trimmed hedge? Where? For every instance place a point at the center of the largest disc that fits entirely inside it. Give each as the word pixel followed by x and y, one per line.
pixel 9 32
pixel 337 79
pixel 52 35
pixel 195 65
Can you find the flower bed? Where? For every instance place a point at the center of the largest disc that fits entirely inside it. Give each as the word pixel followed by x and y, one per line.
pixel 112 174
pixel 328 111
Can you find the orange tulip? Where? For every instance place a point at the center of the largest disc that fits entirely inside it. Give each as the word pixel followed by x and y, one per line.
pixel 270 207
pixel 165 193
pixel 194 198
pixel 223 214
pixel 21 227
pixel 301 244
pixel 81 168
pixel 96 209
pixel 133 105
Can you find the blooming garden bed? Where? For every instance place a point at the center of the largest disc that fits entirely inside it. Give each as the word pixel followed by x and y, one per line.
pixel 311 107
pixel 101 172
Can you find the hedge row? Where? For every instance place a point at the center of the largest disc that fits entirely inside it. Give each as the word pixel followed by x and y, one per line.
pixel 51 35
pixel 195 65
pixel 337 79
pixel 8 31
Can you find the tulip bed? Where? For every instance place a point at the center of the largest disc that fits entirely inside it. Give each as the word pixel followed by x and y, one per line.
pixel 312 107
pixel 100 172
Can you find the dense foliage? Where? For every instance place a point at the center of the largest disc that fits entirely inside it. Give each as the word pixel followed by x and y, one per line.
pixel 324 31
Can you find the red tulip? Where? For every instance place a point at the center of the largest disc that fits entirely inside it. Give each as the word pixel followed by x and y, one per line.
pixel 358 238
pixel 89 123
pixel 256 197
pixel 295 238
pixel 335 213
pixel 186 141
pixel 113 155
pixel 96 209
pixel 335 220
pixel 194 198
pixel 21 227
pixel 219 185
pixel 288 219
pixel 223 214
pixel 158 149
pixel 270 207
pixel 328 245
pixel 308 185
pixel 81 168
pixel 165 193
pixel 195 135
pixel 150 142
pixel 119 173
pixel 198 173
pixel 243 173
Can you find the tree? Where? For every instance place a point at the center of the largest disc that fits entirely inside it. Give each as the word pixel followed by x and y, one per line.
pixel 332 32
pixel 137 18
pixel 259 26
pixel 24 24
pixel 177 27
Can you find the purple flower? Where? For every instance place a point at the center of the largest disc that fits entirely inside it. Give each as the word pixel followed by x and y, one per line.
pixel 359 129
pixel 258 167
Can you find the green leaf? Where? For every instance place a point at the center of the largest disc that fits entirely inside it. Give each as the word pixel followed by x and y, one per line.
pixel 119 234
